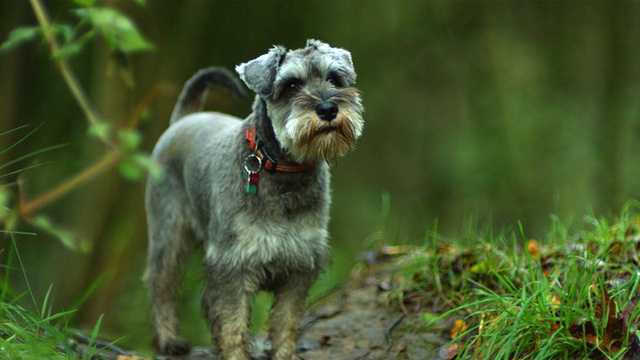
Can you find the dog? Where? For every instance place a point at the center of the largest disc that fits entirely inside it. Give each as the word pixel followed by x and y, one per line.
pixel 253 194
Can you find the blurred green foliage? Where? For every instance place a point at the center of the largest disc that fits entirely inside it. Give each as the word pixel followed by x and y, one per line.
pixel 496 111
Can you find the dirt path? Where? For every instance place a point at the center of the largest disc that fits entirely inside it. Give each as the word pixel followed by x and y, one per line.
pixel 364 328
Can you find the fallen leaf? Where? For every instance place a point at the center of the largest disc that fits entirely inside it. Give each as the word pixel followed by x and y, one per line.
pixel 614 333
pixel 591 340
pixel 399 249
pixel 592 247
pixel 448 352
pixel 459 326
pixel 555 302
pixel 534 249
pixel 615 248
pixel 481 268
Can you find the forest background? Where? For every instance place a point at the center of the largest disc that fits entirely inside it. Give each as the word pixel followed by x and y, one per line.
pixel 490 113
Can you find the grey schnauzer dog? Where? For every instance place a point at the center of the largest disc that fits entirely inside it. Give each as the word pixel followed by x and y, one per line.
pixel 253 194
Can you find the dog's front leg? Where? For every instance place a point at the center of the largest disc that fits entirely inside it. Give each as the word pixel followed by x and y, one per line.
pixel 287 313
pixel 226 305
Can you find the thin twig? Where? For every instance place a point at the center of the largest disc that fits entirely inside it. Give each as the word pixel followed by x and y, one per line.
pixel 306 323
pixel 388 330
pixel 106 163
pixel 108 345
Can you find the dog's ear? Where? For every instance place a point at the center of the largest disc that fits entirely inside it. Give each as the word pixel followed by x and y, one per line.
pixel 260 73
pixel 345 58
pixel 319 45
pixel 337 54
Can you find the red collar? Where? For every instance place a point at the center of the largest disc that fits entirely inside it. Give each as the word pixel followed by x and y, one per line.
pixel 267 161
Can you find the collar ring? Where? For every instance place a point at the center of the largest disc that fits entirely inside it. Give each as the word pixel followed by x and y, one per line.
pixel 252 163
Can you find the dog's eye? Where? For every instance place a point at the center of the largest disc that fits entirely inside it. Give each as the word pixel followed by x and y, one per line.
pixel 293 85
pixel 333 80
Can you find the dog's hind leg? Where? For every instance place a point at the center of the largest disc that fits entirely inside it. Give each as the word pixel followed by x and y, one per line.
pixel 168 245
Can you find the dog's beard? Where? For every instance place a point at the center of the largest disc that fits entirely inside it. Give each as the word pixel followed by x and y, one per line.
pixel 308 138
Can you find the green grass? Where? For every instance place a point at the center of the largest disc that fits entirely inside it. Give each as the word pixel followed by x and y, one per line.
pixel 38 333
pixel 572 296
pixel 25 335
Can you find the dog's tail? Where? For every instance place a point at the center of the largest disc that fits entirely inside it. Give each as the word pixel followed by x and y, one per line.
pixel 194 93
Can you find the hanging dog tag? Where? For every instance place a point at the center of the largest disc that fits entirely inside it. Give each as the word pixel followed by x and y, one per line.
pixel 252 182
pixel 252 165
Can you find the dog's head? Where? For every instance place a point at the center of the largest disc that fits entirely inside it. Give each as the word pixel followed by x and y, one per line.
pixel 314 108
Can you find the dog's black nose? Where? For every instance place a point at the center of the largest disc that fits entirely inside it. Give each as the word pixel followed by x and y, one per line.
pixel 327 110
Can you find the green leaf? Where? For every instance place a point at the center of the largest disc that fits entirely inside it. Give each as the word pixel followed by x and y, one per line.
pixel 71 47
pixel 130 170
pixel 65 237
pixel 481 268
pixel 428 317
pixel 94 336
pixel 130 139
pixel 100 130
pixel 28 33
pixel 68 50
pixel 65 30
pixel 153 168
pixel 135 167
pixel 119 31
pixel 19 36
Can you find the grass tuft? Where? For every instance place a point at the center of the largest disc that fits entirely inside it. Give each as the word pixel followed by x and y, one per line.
pixel 39 333
pixel 572 296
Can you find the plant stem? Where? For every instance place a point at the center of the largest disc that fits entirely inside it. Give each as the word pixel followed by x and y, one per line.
pixel 107 162
pixel 69 77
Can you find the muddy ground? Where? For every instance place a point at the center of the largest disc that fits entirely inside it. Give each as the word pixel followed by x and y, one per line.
pixel 364 327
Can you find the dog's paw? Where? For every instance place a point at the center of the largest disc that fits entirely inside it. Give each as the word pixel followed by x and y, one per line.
pixel 172 347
